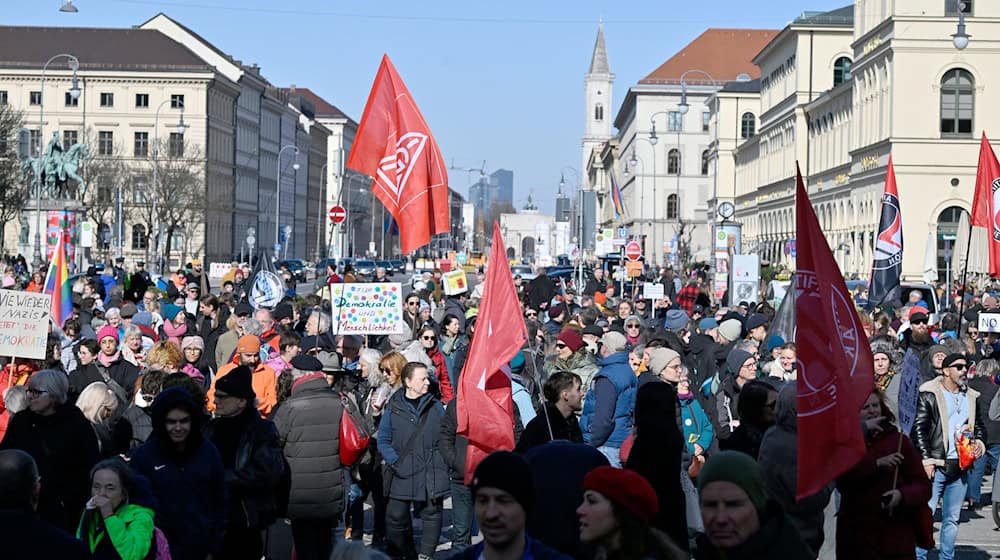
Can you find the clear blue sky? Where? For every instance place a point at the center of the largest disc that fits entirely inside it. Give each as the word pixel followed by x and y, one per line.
pixel 496 81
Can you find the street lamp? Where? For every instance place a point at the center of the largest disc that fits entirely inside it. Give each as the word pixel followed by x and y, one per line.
pixel 74 92
pixel 181 129
pixel 277 197
pixel 960 38
pixel 322 204
pixel 635 161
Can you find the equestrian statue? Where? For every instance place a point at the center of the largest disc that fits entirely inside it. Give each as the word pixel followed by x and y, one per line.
pixel 57 168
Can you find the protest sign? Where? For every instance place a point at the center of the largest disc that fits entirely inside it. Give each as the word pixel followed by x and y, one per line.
pixel 989 322
pixel 455 282
pixel 218 269
pixel 909 389
pixel 652 291
pixel 24 324
pixel 375 308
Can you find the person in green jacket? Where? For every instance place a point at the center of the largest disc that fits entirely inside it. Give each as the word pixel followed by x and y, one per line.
pixel 112 526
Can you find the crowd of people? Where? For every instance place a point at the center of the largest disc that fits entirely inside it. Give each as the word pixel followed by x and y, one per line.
pixel 188 423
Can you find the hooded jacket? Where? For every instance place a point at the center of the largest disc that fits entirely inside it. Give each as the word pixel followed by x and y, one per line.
pixel 928 425
pixel 610 402
pixel 189 484
pixel 64 447
pixel 778 461
pixel 309 426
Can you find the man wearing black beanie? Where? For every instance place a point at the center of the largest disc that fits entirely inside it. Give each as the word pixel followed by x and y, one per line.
pixel 503 491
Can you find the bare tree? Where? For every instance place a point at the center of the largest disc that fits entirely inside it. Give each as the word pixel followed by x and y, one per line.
pixel 178 202
pixel 13 190
pixel 107 174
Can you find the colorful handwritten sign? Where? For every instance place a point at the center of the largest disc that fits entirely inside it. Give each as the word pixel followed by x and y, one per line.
pixel 368 308
pixel 455 282
pixel 24 324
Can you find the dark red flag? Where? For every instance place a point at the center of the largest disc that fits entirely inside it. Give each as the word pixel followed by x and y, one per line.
pixel 395 146
pixel 986 201
pixel 485 404
pixel 836 373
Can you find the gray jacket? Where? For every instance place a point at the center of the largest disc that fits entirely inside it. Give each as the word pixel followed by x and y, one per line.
pixel 308 423
pixel 421 474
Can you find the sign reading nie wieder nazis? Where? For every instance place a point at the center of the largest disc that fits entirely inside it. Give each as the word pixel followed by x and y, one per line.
pixel 24 324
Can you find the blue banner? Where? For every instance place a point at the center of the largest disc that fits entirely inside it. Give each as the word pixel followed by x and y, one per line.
pixel 909 389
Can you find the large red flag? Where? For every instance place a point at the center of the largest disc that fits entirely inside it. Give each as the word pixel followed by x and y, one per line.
pixel 485 405
pixel 986 201
pixel 395 146
pixel 836 373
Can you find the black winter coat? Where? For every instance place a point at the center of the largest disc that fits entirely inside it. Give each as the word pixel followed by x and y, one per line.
pixel 124 373
pixel 211 336
pixel 26 537
pixel 987 390
pixel 142 424
pixel 80 377
pixel 258 468
pixel 776 538
pixel 537 431
pixel 308 423
pixel 64 446
pixel 927 433
pixel 422 474
pixel 189 485
pixel 453 446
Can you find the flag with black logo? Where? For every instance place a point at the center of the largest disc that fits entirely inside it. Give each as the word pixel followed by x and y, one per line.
pixel 887 262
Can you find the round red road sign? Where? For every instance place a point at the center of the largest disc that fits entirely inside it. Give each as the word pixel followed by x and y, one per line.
pixel 633 250
pixel 338 214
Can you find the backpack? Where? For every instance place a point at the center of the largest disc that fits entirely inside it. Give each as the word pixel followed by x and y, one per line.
pixel 355 433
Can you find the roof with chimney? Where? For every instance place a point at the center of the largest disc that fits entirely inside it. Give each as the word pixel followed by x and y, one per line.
pixel 722 53
pixel 96 48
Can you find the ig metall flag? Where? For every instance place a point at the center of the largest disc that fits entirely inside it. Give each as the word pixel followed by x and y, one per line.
pixel 887 262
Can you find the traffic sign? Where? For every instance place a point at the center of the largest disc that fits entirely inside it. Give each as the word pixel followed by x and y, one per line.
pixel 338 214
pixel 633 251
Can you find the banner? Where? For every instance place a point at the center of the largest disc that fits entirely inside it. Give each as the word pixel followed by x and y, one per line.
pixel 985 206
pixel 24 324
pixel 368 308
pixel 909 390
pixel 61 222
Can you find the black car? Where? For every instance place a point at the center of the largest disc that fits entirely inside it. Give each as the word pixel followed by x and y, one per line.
pixel 296 266
pixel 398 267
pixel 364 268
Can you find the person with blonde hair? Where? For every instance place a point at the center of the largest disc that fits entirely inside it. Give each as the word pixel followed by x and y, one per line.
pixel 164 355
pixel 98 403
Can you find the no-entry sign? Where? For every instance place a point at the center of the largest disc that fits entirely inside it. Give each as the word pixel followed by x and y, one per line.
pixel 633 251
pixel 338 214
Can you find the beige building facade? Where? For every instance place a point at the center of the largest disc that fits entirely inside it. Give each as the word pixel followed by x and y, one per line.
pixel 909 93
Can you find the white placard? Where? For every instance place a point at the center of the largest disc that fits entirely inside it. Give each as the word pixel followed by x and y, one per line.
pixel 218 270
pixel 367 308
pixel 989 322
pixel 652 291
pixel 24 323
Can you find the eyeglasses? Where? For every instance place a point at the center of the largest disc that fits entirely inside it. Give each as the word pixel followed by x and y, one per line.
pixel 632 326
pixel 411 303
pixel 428 338
pixel 531 314
pixel 36 392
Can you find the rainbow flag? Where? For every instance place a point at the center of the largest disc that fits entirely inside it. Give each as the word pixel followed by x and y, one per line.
pixel 57 285
pixel 616 197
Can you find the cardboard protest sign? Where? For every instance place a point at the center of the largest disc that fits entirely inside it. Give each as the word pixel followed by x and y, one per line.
pixel 24 324
pixel 455 282
pixel 375 308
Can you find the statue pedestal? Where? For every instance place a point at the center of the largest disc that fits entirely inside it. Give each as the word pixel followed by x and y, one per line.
pixel 60 223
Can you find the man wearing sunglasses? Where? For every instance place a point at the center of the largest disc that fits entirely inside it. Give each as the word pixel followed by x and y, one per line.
pixel 918 336
pixel 945 407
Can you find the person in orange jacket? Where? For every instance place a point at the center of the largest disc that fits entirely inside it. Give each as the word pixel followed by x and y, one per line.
pixel 265 382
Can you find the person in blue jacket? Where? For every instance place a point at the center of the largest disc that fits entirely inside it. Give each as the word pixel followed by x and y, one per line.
pixel 187 477
pixel 698 430
pixel 607 410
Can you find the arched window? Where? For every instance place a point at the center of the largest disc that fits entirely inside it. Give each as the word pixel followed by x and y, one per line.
pixel 674 162
pixel 748 125
pixel 599 112
pixel 139 241
pixel 947 228
pixel 841 71
pixel 957 103
pixel 704 162
pixel 672 207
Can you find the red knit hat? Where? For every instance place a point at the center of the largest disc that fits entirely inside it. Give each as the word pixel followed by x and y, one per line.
pixel 570 338
pixel 626 488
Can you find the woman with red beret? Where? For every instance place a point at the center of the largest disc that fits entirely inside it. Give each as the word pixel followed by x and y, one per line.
pixel 618 505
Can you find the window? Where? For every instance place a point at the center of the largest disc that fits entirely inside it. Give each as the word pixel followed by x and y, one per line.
pixel 72 101
pixel 103 190
pixel 598 112
pixel 674 121
pixel 107 100
pixel 35 140
pixel 176 145
pixel 70 137
pixel 139 194
pixel 35 98
pixel 142 100
pixel 139 241
pixel 748 125
pixel 841 71
pixel 672 207
pixel 951 7
pixel 957 103
pixel 3 97
pixel 141 144
pixel 704 162
pixel 674 162
pixel 105 142
pixel 705 117
pixel 176 101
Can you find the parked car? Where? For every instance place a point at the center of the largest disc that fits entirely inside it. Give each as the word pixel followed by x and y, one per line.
pixel 364 268
pixel 387 265
pixel 930 297
pixel 398 266
pixel 526 272
pixel 321 266
pixel 296 267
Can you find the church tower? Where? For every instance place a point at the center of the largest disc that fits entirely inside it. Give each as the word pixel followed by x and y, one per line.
pixel 597 94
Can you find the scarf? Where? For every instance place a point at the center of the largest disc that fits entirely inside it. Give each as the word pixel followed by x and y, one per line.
pixel 174 334
pixel 193 372
pixel 106 360
pixel 448 343
pixel 882 381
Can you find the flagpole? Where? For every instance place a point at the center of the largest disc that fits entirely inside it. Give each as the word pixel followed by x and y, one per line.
pixel 965 272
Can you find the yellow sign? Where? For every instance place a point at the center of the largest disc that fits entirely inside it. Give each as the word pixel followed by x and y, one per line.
pixel 455 282
pixel 633 268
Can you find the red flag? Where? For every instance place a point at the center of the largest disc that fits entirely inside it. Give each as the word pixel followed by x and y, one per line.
pixel 986 201
pixel 485 404
pixel 836 373
pixel 395 146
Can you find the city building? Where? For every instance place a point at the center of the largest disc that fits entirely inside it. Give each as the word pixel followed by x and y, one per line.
pixel 888 79
pixel 529 236
pixel 661 160
pixel 598 88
